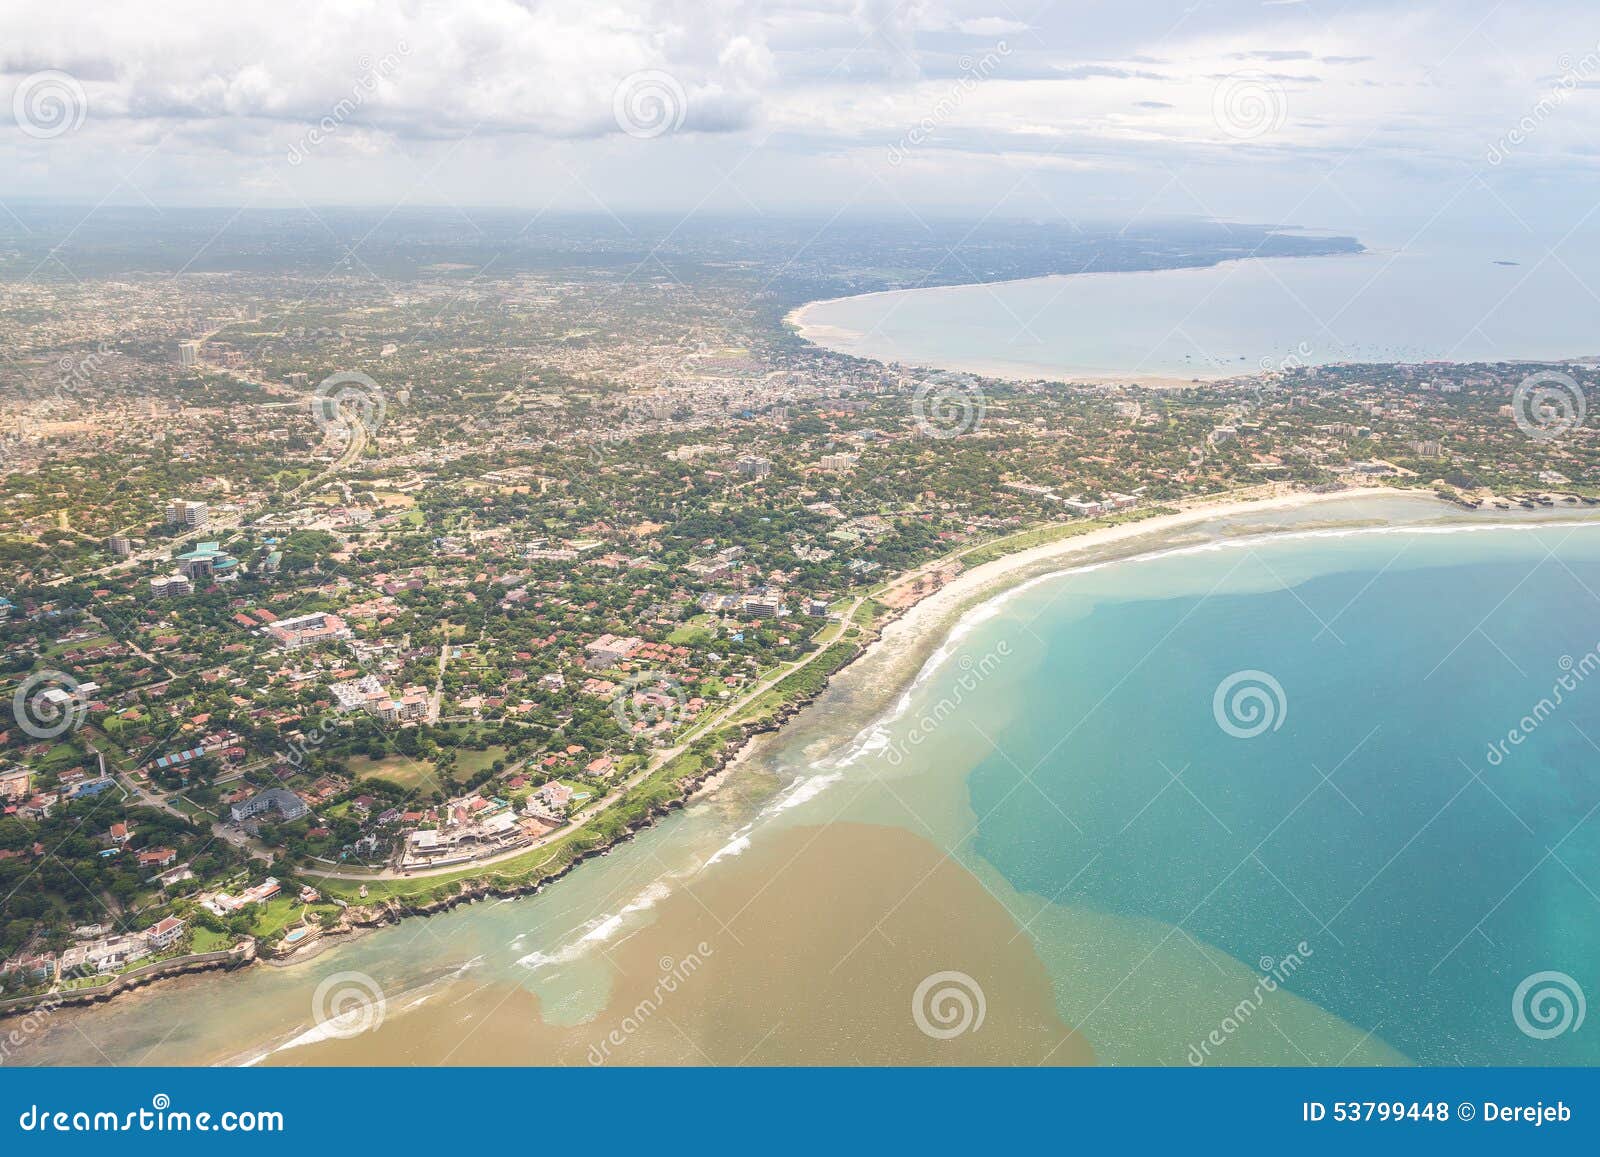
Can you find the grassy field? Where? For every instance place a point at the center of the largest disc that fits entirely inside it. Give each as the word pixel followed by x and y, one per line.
pixel 205 940
pixel 469 762
pixel 398 769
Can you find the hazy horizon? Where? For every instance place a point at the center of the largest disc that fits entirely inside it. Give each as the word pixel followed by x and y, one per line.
pixel 1361 116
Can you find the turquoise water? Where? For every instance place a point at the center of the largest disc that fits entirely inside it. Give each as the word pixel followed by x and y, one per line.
pixel 1065 748
pixel 1370 822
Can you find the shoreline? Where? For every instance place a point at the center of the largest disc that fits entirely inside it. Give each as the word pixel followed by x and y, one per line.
pixel 816 334
pixel 907 636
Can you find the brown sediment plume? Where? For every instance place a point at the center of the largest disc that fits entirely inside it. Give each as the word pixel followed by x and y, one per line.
pixel 842 944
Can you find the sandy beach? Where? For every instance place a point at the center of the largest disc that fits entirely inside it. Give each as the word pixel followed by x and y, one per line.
pixel 992 577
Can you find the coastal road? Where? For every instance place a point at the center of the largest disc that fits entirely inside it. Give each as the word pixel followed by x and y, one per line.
pixel 585 815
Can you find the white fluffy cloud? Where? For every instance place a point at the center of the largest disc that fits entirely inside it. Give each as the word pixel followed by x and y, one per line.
pixel 468 96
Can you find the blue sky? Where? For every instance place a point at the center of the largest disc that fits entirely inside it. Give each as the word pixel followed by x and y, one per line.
pixel 1360 115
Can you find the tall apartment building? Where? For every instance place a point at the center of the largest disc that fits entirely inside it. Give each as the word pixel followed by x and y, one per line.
pixel 194 515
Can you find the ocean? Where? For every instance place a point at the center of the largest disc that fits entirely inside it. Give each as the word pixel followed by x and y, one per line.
pixel 1411 300
pixel 1302 787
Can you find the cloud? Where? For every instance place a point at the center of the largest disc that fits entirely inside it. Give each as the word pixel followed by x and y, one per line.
pixel 487 66
pixel 991 26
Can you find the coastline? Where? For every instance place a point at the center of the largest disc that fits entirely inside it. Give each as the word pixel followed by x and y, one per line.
pixel 796 321
pixel 901 637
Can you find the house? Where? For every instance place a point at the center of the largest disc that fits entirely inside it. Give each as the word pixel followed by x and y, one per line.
pixel 555 795
pixel 164 933
pixel 157 857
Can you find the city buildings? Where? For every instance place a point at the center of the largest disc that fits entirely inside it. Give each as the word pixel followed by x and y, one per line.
pixel 191 515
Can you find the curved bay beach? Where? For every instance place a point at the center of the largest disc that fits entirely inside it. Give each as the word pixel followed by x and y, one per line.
pixel 747 883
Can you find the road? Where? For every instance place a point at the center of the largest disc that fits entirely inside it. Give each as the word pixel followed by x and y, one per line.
pixel 586 814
